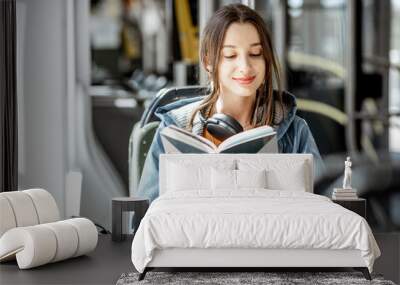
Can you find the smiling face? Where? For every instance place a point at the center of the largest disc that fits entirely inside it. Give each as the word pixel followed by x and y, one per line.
pixel 242 64
pixel 237 71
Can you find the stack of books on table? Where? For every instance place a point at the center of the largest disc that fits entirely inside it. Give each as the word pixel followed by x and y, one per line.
pixel 344 194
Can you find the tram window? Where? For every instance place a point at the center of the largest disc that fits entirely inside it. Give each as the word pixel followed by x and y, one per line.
pixel 315 65
pixel 115 39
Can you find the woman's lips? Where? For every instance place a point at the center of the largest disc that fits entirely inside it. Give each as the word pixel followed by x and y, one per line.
pixel 244 80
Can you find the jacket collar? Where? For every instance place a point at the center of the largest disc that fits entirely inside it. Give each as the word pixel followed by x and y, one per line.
pixel 198 124
pixel 284 115
pixel 173 113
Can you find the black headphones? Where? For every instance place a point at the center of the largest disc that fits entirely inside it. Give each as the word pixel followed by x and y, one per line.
pixel 222 126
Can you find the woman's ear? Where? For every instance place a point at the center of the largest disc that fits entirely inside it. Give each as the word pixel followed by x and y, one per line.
pixel 207 65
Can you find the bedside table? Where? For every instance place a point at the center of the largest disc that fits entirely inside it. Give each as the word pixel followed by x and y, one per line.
pixel 126 204
pixel 358 206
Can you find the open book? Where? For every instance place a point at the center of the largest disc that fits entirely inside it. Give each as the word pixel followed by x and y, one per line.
pixel 261 139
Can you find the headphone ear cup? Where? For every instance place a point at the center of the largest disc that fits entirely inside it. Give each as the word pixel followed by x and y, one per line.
pixel 235 125
pixel 222 126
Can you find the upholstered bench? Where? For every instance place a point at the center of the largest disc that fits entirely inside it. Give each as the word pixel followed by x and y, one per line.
pixel 31 231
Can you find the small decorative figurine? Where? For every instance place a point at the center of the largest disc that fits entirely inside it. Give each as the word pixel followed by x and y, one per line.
pixel 347 192
pixel 347 174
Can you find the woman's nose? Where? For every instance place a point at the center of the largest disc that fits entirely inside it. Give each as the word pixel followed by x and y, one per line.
pixel 244 65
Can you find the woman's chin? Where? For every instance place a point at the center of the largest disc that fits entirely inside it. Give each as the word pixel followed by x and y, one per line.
pixel 245 91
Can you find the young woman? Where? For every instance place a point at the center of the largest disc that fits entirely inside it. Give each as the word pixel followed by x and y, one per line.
pixel 237 53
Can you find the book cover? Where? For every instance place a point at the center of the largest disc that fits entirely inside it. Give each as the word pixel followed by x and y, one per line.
pixel 344 198
pixel 345 194
pixel 341 190
pixel 261 139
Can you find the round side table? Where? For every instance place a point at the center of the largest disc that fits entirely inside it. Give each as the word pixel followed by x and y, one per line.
pixel 127 204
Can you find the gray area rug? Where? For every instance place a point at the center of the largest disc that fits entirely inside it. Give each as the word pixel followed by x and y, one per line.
pixel 228 278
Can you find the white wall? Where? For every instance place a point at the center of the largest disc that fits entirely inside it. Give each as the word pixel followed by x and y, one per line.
pixel 42 94
pixel 55 127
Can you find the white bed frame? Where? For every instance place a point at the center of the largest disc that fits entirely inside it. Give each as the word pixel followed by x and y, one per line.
pixel 249 257
pixel 234 257
pixel 256 258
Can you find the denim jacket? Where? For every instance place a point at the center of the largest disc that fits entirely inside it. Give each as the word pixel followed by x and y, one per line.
pixel 293 135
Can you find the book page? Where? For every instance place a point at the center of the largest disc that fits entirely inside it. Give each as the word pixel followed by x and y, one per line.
pixel 246 136
pixel 177 146
pixel 188 138
pixel 194 136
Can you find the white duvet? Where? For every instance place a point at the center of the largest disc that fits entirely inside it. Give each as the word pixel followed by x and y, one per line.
pixel 250 219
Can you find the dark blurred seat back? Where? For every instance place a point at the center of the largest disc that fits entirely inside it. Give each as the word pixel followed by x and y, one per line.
pixel 144 131
pixel 166 96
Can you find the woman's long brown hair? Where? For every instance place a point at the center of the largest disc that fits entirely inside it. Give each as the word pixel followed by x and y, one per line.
pixel 210 54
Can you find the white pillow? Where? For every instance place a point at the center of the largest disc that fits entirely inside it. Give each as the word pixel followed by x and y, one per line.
pixel 282 174
pixel 251 178
pixel 187 175
pixel 228 179
pixel 296 181
pixel 223 179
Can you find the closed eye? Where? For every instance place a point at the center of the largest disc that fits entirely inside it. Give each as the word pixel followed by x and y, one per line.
pixel 233 56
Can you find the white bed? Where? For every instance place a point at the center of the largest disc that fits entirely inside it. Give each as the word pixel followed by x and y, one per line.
pixel 247 210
